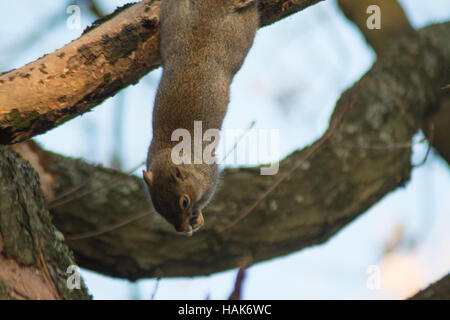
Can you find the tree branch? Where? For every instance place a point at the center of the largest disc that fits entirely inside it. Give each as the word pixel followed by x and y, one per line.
pixel 332 188
pixel 72 80
pixel 439 290
pixel 33 256
pixel 395 24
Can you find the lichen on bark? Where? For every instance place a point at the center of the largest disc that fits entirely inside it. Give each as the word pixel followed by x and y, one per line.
pixel 27 233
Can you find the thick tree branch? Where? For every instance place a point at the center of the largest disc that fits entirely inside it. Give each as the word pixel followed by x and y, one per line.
pixel 439 290
pixel 394 23
pixel 338 183
pixel 70 81
pixel 33 256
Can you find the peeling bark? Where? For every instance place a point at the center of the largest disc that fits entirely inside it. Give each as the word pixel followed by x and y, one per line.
pixel 72 80
pixel 337 184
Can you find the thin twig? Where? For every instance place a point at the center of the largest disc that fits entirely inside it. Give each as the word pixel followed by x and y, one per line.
pixel 376 147
pixel 236 294
pixel 313 149
pixel 430 141
pixel 93 7
pixel 238 141
pixel 55 203
pixel 159 275
pixel 113 227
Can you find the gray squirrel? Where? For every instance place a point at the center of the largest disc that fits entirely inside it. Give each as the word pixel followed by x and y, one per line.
pixel 203 43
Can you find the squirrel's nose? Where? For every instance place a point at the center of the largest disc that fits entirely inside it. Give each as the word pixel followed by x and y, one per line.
pixel 184 228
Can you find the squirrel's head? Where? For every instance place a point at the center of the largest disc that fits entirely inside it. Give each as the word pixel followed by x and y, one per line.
pixel 174 197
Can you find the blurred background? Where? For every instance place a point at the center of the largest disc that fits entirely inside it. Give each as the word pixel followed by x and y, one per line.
pixel 291 80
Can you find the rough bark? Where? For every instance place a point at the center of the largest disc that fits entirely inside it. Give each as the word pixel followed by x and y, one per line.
pixel 394 23
pixel 108 57
pixel 33 256
pixel 439 290
pixel 338 183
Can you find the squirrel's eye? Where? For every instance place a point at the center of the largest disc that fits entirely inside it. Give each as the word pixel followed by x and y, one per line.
pixel 184 201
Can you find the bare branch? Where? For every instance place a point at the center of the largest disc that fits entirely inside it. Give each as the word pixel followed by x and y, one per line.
pixel 237 291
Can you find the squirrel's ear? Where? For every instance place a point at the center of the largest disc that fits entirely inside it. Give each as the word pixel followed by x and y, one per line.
pixel 176 174
pixel 148 177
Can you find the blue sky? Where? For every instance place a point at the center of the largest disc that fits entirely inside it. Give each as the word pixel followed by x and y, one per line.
pixel 291 80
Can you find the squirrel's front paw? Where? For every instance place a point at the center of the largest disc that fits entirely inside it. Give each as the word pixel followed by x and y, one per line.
pixel 197 222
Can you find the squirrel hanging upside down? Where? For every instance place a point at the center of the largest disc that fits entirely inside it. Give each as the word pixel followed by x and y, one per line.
pixel 203 43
